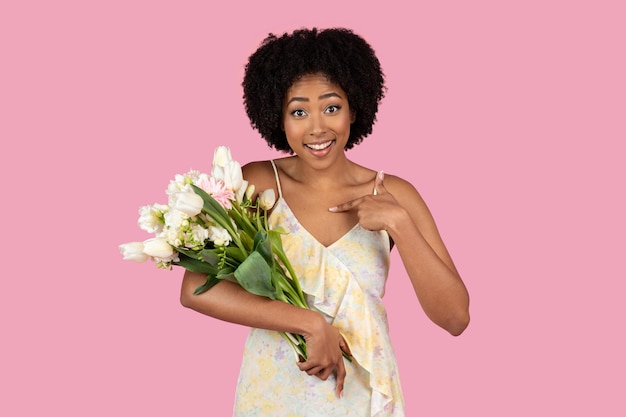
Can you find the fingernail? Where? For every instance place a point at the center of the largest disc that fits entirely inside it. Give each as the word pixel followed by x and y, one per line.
pixel 332 208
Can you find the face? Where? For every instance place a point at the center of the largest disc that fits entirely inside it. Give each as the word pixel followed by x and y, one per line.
pixel 316 118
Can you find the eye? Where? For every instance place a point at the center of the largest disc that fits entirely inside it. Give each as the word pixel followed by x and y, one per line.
pixel 332 108
pixel 298 113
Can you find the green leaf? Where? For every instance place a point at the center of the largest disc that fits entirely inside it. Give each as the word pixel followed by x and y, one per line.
pixel 209 256
pixel 211 280
pixel 226 272
pixel 228 277
pixel 276 282
pixel 241 219
pixel 277 246
pixel 210 204
pixel 233 252
pixel 218 214
pixel 264 246
pixel 195 265
pixel 277 242
pixel 247 241
pixel 255 276
pixel 188 252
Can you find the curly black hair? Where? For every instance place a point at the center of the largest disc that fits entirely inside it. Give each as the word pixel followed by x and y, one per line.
pixel 345 58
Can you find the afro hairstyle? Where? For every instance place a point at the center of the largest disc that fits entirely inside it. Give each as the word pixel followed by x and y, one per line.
pixel 345 58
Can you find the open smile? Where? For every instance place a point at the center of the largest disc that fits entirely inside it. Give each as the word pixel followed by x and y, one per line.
pixel 319 146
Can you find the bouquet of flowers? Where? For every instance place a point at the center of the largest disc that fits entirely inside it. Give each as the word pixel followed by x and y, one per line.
pixel 211 226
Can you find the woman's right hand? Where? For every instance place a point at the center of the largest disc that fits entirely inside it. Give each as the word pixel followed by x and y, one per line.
pixel 324 345
pixel 229 302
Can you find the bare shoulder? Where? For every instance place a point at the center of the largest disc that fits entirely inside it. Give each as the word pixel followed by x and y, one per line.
pixel 411 200
pixel 260 174
pixel 257 168
pixel 402 190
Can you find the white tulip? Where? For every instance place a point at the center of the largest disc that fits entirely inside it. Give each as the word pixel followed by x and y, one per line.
pixel 158 248
pixel 222 156
pixel 217 172
pixel 267 199
pixel 233 178
pixel 242 191
pixel 133 251
pixel 189 203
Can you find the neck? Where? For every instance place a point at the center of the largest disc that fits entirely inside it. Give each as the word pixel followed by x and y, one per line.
pixel 340 173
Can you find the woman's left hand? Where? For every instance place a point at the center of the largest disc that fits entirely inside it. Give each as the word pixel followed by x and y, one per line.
pixel 375 211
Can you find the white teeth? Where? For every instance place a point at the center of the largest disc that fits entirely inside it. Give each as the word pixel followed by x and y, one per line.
pixel 319 147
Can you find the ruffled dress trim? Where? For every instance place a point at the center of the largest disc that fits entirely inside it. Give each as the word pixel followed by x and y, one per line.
pixel 356 310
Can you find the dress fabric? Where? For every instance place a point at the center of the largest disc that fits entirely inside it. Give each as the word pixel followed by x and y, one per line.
pixel 345 282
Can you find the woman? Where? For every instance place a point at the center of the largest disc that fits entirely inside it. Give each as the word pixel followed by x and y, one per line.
pixel 314 94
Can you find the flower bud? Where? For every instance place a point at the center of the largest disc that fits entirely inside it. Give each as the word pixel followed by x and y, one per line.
pixel 157 247
pixel 267 199
pixel 133 251
pixel 250 191
pixel 189 203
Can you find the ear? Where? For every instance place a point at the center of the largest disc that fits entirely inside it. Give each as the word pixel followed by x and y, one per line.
pixel 352 116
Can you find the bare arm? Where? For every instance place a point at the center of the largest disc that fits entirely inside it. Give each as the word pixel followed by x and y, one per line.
pixel 437 284
pixel 229 302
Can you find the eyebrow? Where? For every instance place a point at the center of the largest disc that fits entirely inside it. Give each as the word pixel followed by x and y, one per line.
pixel 323 96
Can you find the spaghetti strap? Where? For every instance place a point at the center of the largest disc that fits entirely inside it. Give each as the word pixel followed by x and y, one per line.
pixel 280 191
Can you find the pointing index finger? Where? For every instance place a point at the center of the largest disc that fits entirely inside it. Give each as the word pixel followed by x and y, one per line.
pixel 346 206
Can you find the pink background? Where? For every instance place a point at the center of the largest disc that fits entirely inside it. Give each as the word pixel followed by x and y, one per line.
pixel 509 117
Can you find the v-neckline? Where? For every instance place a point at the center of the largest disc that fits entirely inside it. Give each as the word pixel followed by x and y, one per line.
pixel 335 242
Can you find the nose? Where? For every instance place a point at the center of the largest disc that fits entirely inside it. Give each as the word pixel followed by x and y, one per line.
pixel 317 125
